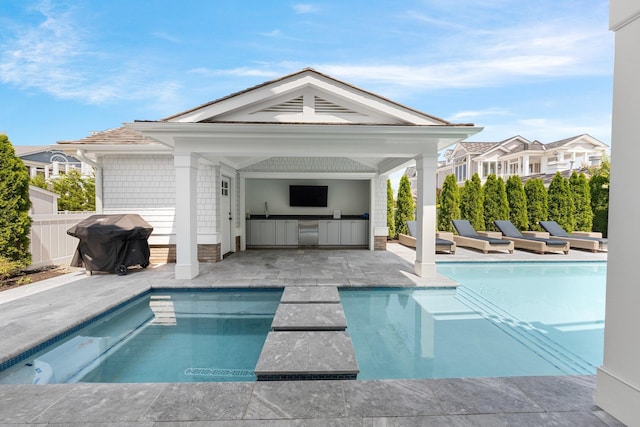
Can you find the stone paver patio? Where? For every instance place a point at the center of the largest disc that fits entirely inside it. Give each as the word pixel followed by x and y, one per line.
pixel 28 317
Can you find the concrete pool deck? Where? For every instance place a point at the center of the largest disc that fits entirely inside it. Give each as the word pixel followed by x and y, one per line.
pixel 30 317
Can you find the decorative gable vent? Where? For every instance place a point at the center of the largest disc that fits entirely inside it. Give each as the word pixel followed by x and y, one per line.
pixel 292 106
pixel 322 106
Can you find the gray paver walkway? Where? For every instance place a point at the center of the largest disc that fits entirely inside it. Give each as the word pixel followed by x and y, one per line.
pixel 521 401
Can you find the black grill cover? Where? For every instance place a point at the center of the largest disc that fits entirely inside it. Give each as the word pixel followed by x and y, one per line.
pixel 111 243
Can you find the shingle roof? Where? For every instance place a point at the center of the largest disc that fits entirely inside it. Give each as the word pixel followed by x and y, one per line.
pixel 478 147
pixel 561 142
pixel 117 136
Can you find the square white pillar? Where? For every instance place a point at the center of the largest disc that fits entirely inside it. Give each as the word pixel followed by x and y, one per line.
pixel 618 381
pixel 186 168
pixel 425 265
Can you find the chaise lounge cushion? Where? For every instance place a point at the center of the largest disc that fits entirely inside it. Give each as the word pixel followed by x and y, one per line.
pixel 509 230
pixel 589 241
pixel 554 229
pixel 465 229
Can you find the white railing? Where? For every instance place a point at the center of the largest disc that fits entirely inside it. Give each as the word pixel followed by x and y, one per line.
pixel 50 244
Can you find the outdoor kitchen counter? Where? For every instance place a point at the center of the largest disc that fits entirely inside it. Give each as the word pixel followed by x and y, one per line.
pixel 297 230
pixel 307 217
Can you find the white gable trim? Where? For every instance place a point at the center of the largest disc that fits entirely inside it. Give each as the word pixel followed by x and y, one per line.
pixel 289 87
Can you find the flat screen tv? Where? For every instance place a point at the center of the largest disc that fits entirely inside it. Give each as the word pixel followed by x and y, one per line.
pixel 308 195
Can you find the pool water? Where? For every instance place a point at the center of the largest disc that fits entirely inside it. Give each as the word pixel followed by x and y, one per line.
pixel 506 319
pixel 180 336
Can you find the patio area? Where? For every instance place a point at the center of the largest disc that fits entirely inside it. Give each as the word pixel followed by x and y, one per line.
pixel 38 312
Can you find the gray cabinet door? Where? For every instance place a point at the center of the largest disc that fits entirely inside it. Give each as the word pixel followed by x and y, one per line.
pixel 286 232
pixel 354 232
pixel 262 232
pixel 328 232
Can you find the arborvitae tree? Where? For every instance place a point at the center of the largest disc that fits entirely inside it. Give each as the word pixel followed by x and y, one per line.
pixel 405 208
pixel 561 207
pixel 390 211
pixel 581 194
pixel 537 203
pixel 15 222
pixel 449 203
pixel 472 202
pixel 76 193
pixel 517 203
pixel 599 185
pixel 496 205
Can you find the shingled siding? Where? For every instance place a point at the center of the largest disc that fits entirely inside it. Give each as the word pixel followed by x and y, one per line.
pixel 145 185
pixel 138 181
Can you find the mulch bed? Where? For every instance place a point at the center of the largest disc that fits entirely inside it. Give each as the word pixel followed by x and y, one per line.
pixel 30 276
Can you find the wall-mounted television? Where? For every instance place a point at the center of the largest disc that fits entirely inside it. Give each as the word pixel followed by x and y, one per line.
pixel 308 195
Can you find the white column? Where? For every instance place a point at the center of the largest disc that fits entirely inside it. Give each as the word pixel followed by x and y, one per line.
pixel 425 265
pixel 186 167
pixel 525 165
pixel 480 170
pixel 618 379
pixel 243 212
pixel 373 219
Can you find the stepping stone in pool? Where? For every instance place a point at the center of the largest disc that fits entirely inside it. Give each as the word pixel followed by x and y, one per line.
pixel 309 317
pixel 308 294
pixel 307 355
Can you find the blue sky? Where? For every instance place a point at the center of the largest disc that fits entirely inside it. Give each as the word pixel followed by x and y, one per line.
pixel 541 69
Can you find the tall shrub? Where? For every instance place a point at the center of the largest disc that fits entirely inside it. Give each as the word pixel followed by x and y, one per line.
pixel 581 195
pixel 599 185
pixel 76 193
pixel 561 208
pixel 15 222
pixel 517 203
pixel 405 208
pixel 449 203
pixel 537 203
pixel 391 225
pixel 472 202
pixel 496 205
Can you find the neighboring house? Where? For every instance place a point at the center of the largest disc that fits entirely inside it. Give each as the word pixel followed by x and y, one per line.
pixel 200 177
pixel 50 161
pixel 519 156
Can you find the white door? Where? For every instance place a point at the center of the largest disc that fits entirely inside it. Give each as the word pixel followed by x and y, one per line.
pixel 225 212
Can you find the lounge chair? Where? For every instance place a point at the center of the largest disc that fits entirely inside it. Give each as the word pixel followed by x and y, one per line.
pixel 532 243
pixel 468 237
pixel 444 240
pixel 591 241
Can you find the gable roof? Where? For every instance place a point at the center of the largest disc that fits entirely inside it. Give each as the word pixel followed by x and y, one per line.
pixel 306 96
pixel 304 114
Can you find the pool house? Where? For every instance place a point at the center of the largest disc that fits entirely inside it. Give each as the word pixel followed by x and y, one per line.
pixel 244 170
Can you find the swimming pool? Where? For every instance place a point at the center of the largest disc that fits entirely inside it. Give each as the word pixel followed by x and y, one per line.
pixel 162 336
pixel 506 319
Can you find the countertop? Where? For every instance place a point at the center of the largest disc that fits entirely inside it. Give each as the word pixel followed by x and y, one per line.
pixel 306 217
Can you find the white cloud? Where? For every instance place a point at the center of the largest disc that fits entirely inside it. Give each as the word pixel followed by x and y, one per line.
pixel 474 115
pixel 304 8
pixel 273 33
pixel 166 36
pixel 55 58
pixel 236 72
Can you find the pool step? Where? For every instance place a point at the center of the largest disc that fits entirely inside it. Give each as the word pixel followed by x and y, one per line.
pixel 527 334
pixel 308 340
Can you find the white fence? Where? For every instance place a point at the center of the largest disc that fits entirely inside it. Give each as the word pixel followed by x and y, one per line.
pixel 50 244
